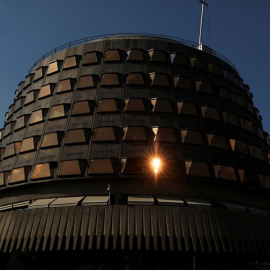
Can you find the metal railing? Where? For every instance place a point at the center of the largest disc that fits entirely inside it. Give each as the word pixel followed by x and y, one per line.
pixel 92 38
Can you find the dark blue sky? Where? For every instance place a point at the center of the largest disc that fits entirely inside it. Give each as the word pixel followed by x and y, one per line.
pixel 238 30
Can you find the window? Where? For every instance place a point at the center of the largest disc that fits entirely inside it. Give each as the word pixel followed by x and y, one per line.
pixel 82 107
pixel 230 118
pixel 187 108
pixel 256 152
pixel 38 116
pixel 110 79
pixel 134 134
pixel 58 111
pixel 29 144
pixel 72 61
pixel 159 80
pixel 91 58
pixel 12 149
pixel 40 73
pixel 217 141
pixel 21 122
pixel 112 56
pixel 199 169
pixel 224 93
pixel 198 63
pixel 19 103
pixel 178 58
pixel 204 87
pixel 87 81
pixel 192 137
pixel 135 55
pixel 28 80
pixel 239 146
pixel 135 105
pixel 51 139
pixel 71 168
pixel 102 166
pixel 135 79
pixel 161 106
pixel 65 85
pixel 9 128
pixel 229 75
pixel 215 69
pixel 108 105
pixel 44 170
pixel 19 175
pixel 31 97
pixel 246 124
pixel 103 134
pixel 166 135
pixel 54 66
pixel 182 83
pixel 76 136
pixel 249 177
pixel 210 113
pixel 134 165
pixel 157 56
pixel 46 90
pixel 225 172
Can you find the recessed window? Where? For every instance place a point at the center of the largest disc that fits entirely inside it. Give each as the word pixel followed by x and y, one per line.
pixel 204 87
pixel 91 58
pixel 31 97
pixel 199 169
pixel 230 118
pixel 182 83
pixel 210 113
pixel 112 56
pixel 135 55
pixel 54 67
pixel 58 111
pixel 46 90
pixel 166 135
pixel 237 99
pixel 135 105
pixel 249 177
pixel 82 107
pixel 51 139
pixel 40 73
pixel 65 85
pixel 229 75
pixel 134 134
pixel 239 146
pixel 4 177
pixel 21 122
pixel 135 79
pixel 76 136
pixel 225 172
pixel 9 128
pixel 110 79
pixel 2 152
pixel 12 149
pixel 19 174
pixel 250 107
pixel 29 144
pixel 192 137
pixel 103 134
pixel 256 152
pixel 224 93
pixel 187 108
pixel 215 69
pixel 161 106
pixel 217 141
pixel 71 168
pixel 19 103
pixel 157 56
pixel 28 80
pixel 102 166
pixel 134 165
pixel 158 79
pixel 198 63
pixel 178 58
pixel 246 124
pixel 108 105
pixel 72 61
pixel 44 170
pixel 87 81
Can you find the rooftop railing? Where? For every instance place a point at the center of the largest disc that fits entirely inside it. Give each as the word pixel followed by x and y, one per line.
pixel 92 38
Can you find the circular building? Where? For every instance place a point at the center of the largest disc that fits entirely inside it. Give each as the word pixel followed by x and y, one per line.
pixel 135 151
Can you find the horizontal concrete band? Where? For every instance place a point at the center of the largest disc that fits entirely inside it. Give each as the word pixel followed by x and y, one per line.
pixel 135 227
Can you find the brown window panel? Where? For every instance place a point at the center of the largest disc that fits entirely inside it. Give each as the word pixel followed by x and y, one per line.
pixel 9 128
pixel 54 67
pixel 225 172
pixel 250 107
pixel 135 105
pixel 251 178
pixel 29 144
pixel 31 97
pixel 161 106
pixel 3 179
pixel 217 141
pixel 178 59
pixel 91 58
pixel 108 105
pixel 103 166
pixel 194 168
pixel 187 108
pixel 259 132
pixel 256 152
pixel 166 135
pixel 46 90
pixel 103 134
pixel 135 78
pixel 229 75
pixel 230 118
pixel 210 113
pixel 204 87
pixel 237 99
pixel 82 107
pixel 239 146
pixel 246 124
pixel 159 79
pixel 192 137
pixel 72 168
pixel 134 165
pixel 157 56
pixel 2 152
pixel 19 174
pixel 113 56
pixel 28 80
pixel 19 103
pixel 21 122
pixel 38 116
pixel 88 81
pixel 135 134
pixel 72 61
pixel 59 111
pixel 76 136
pixel 51 139
pixel 224 93
pixel 198 63
pixel 110 79
pixel 12 149
pixel 135 55
pixel 40 73
pixel 183 83
pixel 65 85
pixel 215 69
pixel 44 170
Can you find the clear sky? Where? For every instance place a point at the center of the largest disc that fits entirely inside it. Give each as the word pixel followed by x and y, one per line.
pixel 239 29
